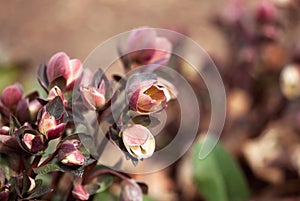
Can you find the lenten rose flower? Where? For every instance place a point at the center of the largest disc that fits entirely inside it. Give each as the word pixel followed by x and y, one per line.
pixel 138 141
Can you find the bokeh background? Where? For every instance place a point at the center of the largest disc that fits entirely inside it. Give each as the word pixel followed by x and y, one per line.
pixel 251 42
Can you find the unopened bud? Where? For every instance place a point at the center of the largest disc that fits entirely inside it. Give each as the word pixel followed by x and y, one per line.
pixel 12 95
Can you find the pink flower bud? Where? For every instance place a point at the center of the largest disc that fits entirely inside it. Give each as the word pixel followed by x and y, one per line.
pixel 50 127
pixel 79 192
pixel 55 91
pixel 141 44
pixel 69 154
pixel 138 141
pixel 146 97
pixel 92 97
pixel 145 47
pixel 11 96
pixel 61 65
pixel 34 143
pixel 130 191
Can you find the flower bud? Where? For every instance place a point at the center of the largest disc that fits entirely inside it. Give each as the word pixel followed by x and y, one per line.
pixel 33 143
pixel 145 47
pixel 50 127
pixel 92 97
pixel 61 65
pixel 55 91
pixel 12 95
pixel 147 97
pixel 290 81
pixel 79 192
pixel 130 191
pixel 69 154
pixel 138 141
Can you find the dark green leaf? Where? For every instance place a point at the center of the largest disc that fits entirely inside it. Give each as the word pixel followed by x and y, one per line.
pixel 58 166
pixel 47 168
pixel 218 176
pixel 42 76
pixel 39 192
pixel 14 123
pixel 26 184
pixel 60 82
pixel 56 107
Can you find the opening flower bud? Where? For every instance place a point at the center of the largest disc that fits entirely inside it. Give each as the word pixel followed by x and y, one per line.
pixel 69 154
pixel 12 95
pixel 33 143
pixel 61 65
pixel 55 91
pixel 148 97
pixel 138 141
pixel 79 192
pixel 50 127
pixel 92 97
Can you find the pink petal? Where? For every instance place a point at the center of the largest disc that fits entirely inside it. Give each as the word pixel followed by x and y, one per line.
pixel 162 52
pixel 75 72
pixel 141 44
pixel 58 66
pixel 56 132
pixel 136 135
pixel 145 103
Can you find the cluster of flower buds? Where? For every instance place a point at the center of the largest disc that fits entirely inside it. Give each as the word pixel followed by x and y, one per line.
pixel 29 123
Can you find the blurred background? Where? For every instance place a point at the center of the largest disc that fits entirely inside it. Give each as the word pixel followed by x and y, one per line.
pixel 255 45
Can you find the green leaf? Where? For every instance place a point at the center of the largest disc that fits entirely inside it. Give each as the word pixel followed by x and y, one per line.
pixel 56 107
pixel 47 168
pixel 218 176
pixel 55 165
